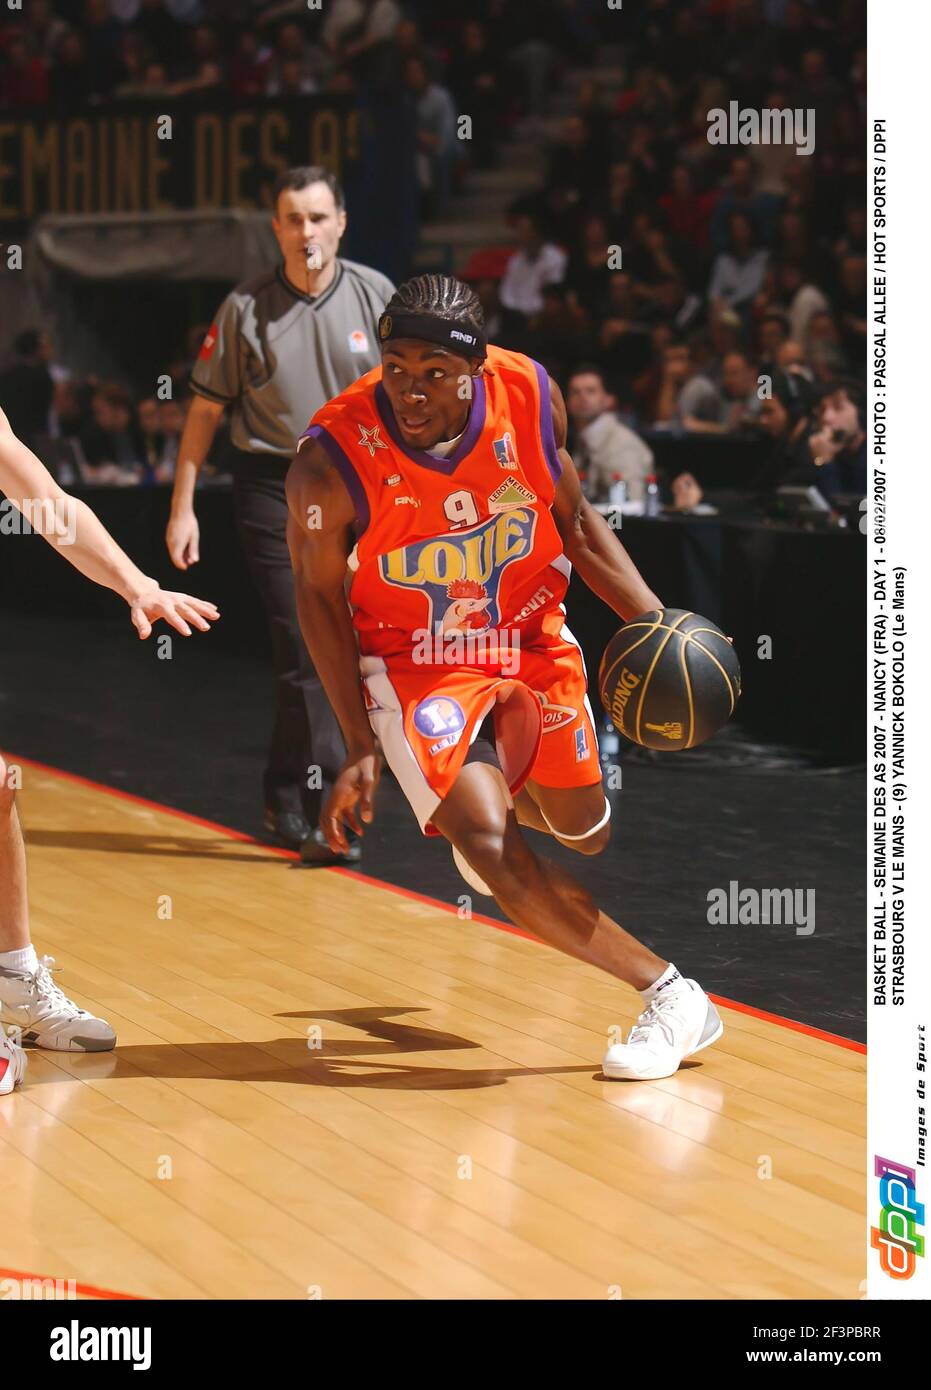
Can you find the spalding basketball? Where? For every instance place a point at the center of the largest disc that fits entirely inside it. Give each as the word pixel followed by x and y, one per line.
pixel 669 679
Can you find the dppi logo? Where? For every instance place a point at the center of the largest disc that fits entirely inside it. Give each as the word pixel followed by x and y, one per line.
pixel 896 1237
pixel 481 554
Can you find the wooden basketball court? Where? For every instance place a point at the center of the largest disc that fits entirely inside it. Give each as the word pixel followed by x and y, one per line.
pixel 327 1087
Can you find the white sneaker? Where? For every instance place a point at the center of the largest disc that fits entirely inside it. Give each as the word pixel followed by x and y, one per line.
pixel 680 1020
pixel 35 1005
pixel 473 879
pixel 12 1064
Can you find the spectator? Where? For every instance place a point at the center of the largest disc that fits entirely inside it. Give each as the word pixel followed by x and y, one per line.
pixel 172 415
pixel 605 450
pixel 851 308
pixel 622 201
pixel 113 443
pixel 784 418
pixel 622 334
pixel 772 331
pixel 102 36
pixel 797 297
pixel 741 390
pixel 68 414
pixel 289 79
pixel 737 275
pixel 683 396
pixel 823 348
pixel 72 80
pixel 151 439
pixel 43 29
pixel 476 77
pixel 437 141
pixel 26 387
pixel 741 195
pixel 296 67
pixel 248 73
pixel 838 445
pixel 364 39
pixel 687 212
pixel 535 264
pixel 589 274
pixel 573 162
pixel 133 57
pixel 557 335
pixel 24 81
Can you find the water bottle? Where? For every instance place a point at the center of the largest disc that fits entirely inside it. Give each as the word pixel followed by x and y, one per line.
pixel 617 493
pixel 653 503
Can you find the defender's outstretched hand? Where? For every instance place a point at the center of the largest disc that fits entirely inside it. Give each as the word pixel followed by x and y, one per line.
pixel 180 611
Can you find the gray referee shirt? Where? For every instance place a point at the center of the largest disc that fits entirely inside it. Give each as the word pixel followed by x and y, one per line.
pixel 275 355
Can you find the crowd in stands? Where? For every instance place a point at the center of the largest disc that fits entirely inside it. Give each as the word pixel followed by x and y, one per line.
pixel 671 285
pixel 113 437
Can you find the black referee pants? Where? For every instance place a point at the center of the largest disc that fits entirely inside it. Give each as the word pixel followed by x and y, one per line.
pixel 306 743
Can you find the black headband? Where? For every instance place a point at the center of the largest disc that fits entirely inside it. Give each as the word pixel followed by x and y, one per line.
pixel 454 334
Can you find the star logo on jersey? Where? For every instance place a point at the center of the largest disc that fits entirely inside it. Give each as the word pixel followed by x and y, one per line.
pixel 371 439
pixel 511 493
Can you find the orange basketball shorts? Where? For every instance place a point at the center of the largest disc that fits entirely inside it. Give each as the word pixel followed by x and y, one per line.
pixel 426 714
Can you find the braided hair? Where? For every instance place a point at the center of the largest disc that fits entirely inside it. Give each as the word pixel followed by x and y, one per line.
pixel 443 296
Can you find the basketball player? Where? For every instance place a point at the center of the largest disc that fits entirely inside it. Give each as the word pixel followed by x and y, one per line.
pixel 442 482
pixel 29 999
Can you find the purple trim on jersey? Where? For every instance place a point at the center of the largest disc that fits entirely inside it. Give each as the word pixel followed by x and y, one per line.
pixel 344 466
pixel 473 429
pixel 546 424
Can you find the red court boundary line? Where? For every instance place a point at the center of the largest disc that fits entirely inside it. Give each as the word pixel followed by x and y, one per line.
pixel 792 1024
pixel 88 1290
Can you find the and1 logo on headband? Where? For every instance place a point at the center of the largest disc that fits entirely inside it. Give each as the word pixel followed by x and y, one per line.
pixel 456 336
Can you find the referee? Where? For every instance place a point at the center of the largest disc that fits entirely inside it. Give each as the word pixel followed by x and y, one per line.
pixel 281 346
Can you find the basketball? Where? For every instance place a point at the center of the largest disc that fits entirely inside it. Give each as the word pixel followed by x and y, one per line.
pixel 669 679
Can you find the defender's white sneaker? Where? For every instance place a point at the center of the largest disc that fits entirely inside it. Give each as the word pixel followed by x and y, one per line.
pixel 34 1004
pixel 12 1064
pixel 679 1021
pixel 473 879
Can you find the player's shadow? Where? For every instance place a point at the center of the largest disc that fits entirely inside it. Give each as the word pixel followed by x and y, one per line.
pixel 340 1062
pixel 160 845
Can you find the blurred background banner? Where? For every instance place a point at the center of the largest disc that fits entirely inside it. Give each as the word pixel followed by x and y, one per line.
pixel 192 206
pixel 214 153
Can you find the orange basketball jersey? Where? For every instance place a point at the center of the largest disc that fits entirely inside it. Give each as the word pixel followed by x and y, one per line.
pixel 465 544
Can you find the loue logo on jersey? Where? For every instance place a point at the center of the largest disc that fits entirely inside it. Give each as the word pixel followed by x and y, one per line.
pixel 896 1237
pixel 478 557
pixel 439 719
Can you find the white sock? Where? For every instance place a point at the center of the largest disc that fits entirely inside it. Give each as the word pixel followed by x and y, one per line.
pixel 24 961
pixel 669 976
